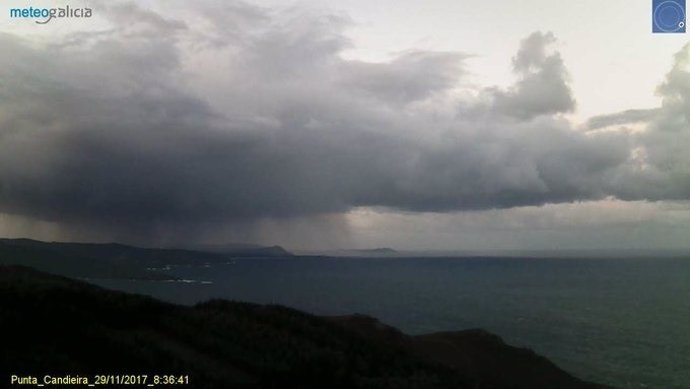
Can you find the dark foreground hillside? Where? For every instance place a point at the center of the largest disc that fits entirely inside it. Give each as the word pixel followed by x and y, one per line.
pixel 58 326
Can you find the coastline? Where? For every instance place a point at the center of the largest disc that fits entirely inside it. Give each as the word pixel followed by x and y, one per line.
pixel 75 328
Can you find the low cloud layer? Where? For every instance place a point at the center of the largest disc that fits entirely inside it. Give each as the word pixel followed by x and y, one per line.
pixel 152 124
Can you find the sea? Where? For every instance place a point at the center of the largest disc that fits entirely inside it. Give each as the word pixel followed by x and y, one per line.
pixel 621 322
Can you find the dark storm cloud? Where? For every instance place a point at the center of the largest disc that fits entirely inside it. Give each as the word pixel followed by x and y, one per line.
pixel 662 169
pixel 153 123
pixel 410 77
pixel 620 118
pixel 542 88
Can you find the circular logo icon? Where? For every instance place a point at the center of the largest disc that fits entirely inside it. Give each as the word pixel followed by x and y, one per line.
pixel 669 16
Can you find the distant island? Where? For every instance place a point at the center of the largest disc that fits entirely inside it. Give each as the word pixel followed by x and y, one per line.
pixel 59 326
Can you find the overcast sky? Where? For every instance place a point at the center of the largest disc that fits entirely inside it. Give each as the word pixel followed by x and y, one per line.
pixel 322 124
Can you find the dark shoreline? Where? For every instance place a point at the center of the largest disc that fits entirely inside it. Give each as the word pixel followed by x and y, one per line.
pixel 57 325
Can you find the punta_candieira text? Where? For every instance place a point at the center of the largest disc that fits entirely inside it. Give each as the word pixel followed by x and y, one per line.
pixel 49 380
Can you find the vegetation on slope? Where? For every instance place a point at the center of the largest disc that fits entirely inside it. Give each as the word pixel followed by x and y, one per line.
pixel 55 325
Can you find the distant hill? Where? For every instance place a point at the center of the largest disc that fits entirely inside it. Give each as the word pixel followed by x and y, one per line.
pixel 245 250
pixel 74 260
pixel 113 260
pixel 54 325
